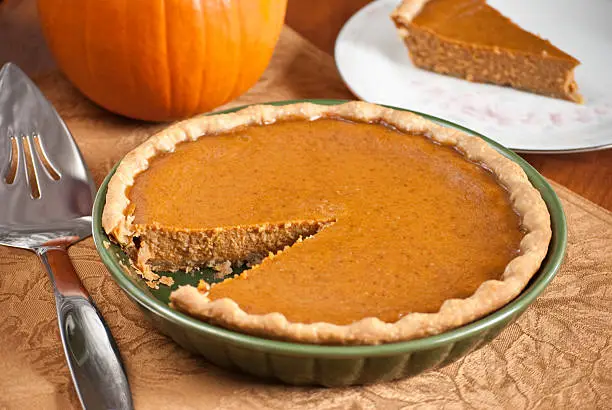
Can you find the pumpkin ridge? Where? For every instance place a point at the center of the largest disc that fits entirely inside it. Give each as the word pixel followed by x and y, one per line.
pixel 236 54
pixel 126 51
pixel 87 36
pixel 198 98
pixel 164 13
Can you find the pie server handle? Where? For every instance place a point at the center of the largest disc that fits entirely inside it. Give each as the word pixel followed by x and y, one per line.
pixel 91 352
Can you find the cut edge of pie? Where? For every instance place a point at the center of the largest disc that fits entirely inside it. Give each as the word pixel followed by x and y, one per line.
pixel 494 65
pixel 491 295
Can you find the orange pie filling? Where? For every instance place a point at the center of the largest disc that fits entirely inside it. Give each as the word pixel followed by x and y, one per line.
pixel 472 40
pixel 371 222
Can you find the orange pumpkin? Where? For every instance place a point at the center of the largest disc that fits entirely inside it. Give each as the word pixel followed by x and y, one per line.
pixel 162 60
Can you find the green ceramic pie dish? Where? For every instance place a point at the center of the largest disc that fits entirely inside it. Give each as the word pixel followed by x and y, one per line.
pixel 300 364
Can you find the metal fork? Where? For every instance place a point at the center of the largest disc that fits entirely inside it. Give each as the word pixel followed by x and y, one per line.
pixel 46 197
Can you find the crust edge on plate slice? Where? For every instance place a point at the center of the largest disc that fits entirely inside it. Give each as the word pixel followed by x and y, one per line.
pixel 490 295
pixel 543 73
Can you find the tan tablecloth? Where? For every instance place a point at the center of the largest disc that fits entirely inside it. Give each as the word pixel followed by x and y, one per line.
pixel 558 355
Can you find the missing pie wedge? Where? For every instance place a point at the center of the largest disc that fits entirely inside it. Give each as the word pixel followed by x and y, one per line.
pixel 470 39
pixel 368 225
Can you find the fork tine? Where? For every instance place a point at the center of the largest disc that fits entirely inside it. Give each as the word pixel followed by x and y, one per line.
pixel 5 158
pixel 22 170
pixel 43 177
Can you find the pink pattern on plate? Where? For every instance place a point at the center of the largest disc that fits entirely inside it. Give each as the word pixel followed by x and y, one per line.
pixel 557 118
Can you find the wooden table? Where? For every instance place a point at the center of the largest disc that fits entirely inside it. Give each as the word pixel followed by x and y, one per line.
pixel 588 174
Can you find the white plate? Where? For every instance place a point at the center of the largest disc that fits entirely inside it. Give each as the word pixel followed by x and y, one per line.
pixel 374 64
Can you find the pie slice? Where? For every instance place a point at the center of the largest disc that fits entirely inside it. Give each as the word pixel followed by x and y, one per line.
pixel 470 39
pixel 365 224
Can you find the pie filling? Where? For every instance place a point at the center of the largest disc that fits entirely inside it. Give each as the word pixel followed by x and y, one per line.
pixel 471 40
pixel 170 249
pixel 396 223
pixel 475 22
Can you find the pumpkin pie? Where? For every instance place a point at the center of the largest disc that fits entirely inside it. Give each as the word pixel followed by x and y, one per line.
pixel 470 39
pixel 364 224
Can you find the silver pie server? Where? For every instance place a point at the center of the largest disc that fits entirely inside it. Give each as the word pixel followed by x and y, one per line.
pixel 46 198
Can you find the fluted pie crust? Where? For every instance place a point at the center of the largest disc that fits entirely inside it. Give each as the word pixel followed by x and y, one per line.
pixel 118 222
